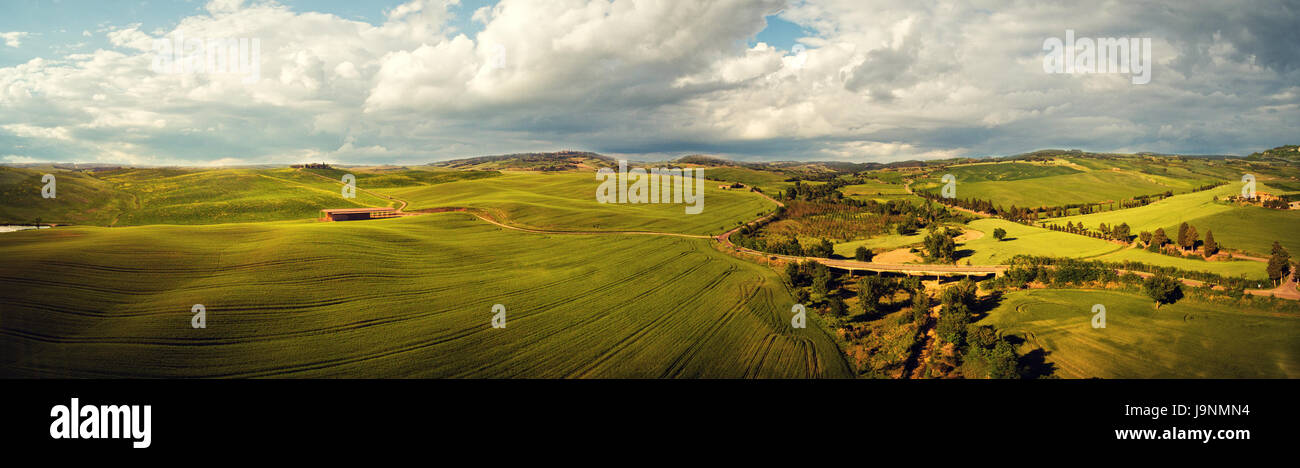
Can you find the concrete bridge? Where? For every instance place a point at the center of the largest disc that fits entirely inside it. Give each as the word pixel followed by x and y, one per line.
pixel 854 266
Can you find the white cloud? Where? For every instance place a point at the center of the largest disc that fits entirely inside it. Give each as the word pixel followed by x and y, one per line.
pixel 13 38
pixel 878 81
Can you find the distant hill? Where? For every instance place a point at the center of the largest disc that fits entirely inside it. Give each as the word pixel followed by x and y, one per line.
pixel 1286 153
pixel 1049 154
pixel 557 161
pixel 703 160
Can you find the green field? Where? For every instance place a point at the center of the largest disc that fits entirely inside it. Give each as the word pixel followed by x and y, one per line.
pixel 1182 340
pixel 1031 185
pixel 1248 228
pixel 79 198
pixel 406 297
pixel 173 196
pixel 1030 240
pixel 567 201
pixel 287 296
pixel 1027 240
pixel 767 181
pixel 875 191
pixel 886 242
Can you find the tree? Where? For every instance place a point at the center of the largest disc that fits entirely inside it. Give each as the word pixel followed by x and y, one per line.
pixel 981 336
pixel 939 246
pixel 870 290
pixel 1182 235
pixel 838 308
pixel 1159 239
pixel 821 284
pixel 1003 362
pixel 1209 247
pixel 1163 289
pixel 1145 237
pixel 795 275
pixel 1189 238
pixel 953 320
pixel 999 234
pixel 920 305
pixel 1279 264
pixel 1121 232
pixel 821 249
pixel 863 254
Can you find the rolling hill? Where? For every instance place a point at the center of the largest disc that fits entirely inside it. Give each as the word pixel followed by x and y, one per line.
pixel 406 297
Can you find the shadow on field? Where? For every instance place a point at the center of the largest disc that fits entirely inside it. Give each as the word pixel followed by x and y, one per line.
pixel 1033 365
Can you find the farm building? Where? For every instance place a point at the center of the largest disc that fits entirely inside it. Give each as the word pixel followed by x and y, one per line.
pixel 356 214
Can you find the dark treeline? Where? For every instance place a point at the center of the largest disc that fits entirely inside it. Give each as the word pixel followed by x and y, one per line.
pixel 1120 232
pixel 1069 271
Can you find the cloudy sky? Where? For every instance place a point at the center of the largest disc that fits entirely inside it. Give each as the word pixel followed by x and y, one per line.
pixel 424 80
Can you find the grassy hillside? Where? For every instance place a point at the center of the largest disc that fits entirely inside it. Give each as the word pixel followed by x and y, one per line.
pixel 228 195
pixel 768 181
pixel 1241 227
pixel 172 196
pixel 875 191
pixel 408 297
pixel 1030 240
pixel 1182 340
pixel 1027 240
pixel 567 201
pixel 80 198
pixel 1031 185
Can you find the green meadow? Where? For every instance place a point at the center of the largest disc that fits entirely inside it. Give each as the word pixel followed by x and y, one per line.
pixel 287 296
pixel 1030 240
pixel 79 198
pixel 567 201
pixel 1248 228
pixel 1029 185
pixel 128 197
pixel 886 242
pixel 876 191
pixel 405 297
pixel 767 181
pixel 1027 240
pixel 1186 339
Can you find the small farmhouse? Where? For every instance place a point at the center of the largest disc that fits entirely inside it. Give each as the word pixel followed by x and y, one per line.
pixel 357 214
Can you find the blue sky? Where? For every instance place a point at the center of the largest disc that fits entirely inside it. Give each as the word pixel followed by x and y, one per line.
pixel 57 26
pixel 408 81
